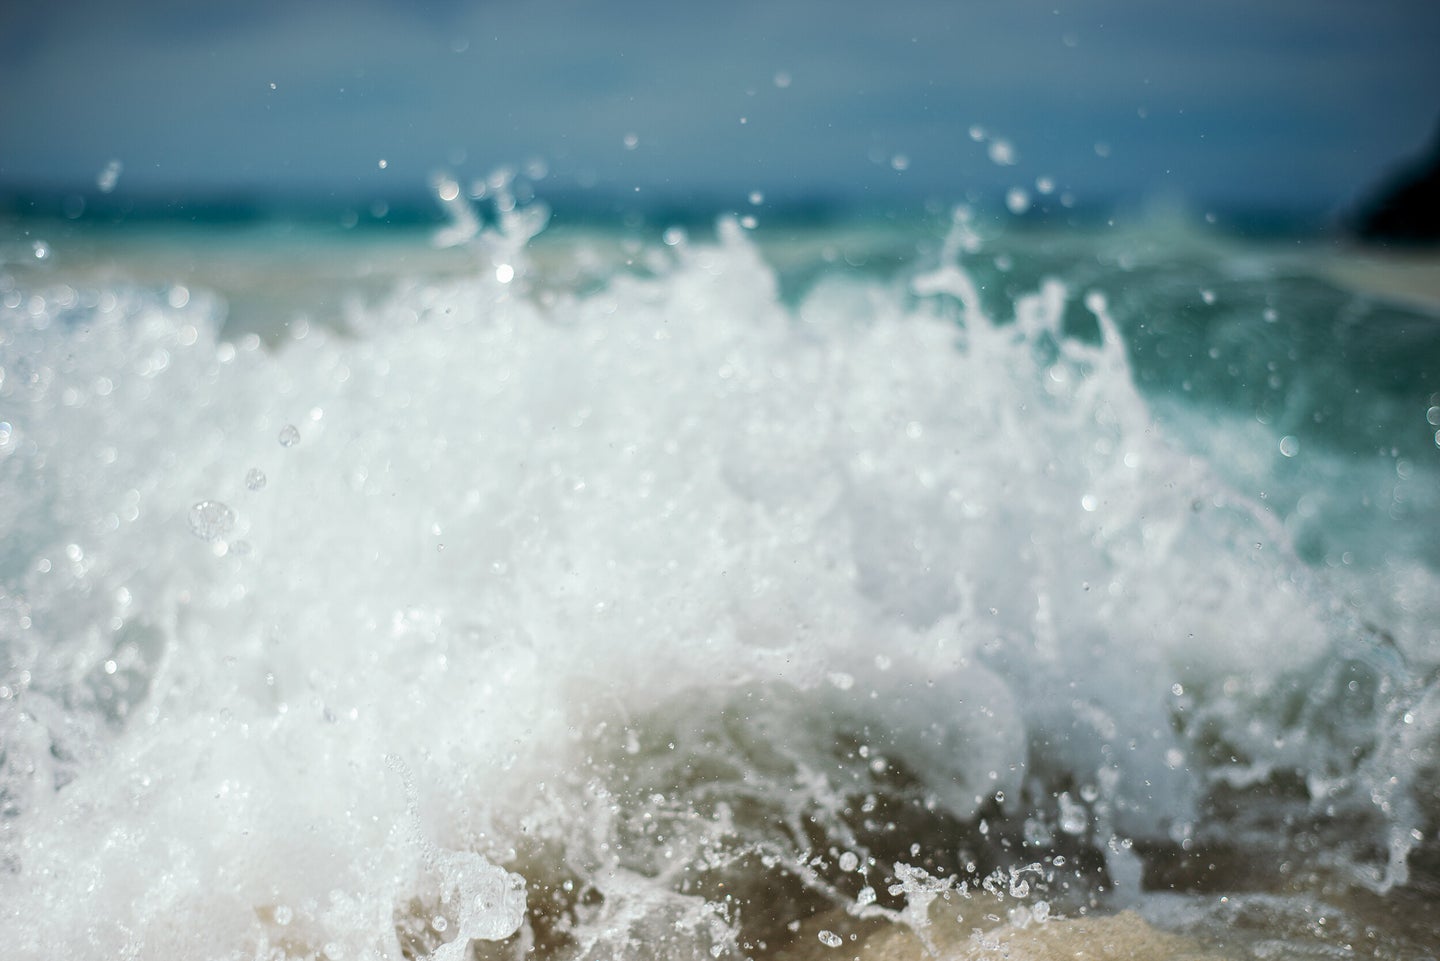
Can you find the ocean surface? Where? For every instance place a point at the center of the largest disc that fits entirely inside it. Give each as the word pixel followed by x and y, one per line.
pixel 741 588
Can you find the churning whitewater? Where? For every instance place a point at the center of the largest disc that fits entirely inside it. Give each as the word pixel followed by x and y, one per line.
pixel 656 616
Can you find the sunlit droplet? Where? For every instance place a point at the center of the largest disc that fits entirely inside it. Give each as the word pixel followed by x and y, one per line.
pixel 289 435
pixel 830 939
pixel 255 479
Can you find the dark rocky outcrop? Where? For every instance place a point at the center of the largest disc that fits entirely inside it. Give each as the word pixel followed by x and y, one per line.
pixel 1406 207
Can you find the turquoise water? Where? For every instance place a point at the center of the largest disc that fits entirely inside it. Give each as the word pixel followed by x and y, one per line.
pixel 648 590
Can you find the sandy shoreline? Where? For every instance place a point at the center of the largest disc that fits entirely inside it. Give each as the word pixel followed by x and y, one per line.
pixel 1407 278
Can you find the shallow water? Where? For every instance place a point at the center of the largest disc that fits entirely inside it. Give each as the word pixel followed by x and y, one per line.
pixel 612 595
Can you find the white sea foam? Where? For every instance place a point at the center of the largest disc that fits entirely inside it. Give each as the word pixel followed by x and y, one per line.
pixel 606 593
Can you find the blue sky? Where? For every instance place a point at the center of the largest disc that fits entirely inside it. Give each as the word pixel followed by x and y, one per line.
pixel 1288 102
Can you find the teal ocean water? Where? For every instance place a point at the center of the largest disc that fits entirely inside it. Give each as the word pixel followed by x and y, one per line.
pixel 673 587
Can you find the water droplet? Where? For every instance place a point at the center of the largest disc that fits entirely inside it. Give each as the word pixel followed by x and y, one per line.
pixel 848 861
pixel 283 915
pixel 1037 832
pixel 108 177
pixel 439 923
pixel 1289 445
pixel 1073 817
pixel 211 520
pixel 782 80
pixel 830 939
pixel 756 198
pixel 1017 200
pixel 255 479
pixel 289 435
pixel 631 141
pixel 1433 416
pixel 504 273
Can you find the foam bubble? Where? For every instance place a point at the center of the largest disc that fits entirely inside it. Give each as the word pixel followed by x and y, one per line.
pixel 211 520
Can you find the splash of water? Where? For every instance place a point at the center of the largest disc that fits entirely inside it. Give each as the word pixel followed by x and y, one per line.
pixel 664 595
